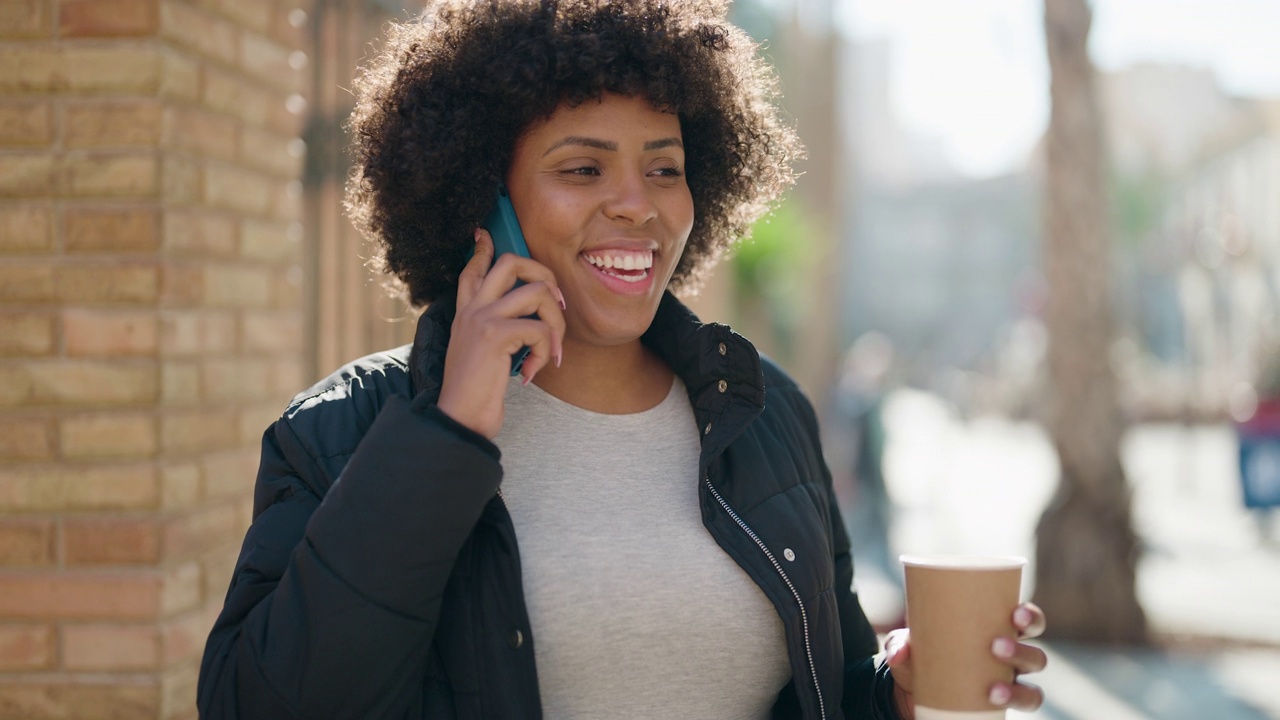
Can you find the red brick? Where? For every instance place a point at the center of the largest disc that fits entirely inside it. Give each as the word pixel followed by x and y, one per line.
pixel 25 124
pixel 30 68
pixel 111 69
pixel 197 332
pixel 108 435
pixel 238 379
pixel 183 638
pixel 182 180
pixel 272 332
pixel 178 686
pixel 182 285
pixel 253 14
pixel 110 333
pixel 60 699
pixel 78 382
pixel 110 648
pixel 25 438
pixel 180 76
pixel 192 28
pixel 267 241
pixel 254 419
pixel 179 384
pixel 239 286
pixel 288 377
pixel 198 430
pixel 28 175
pixel 229 94
pixel 202 132
pixel 179 486
pixel 229 475
pixel 66 487
pixel 81 595
pixel 26 542
pixel 244 191
pixel 187 537
pixel 124 282
pixel 108 18
pixel 181 589
pixel 26 228
pixel 112 123
pixel 110 541
pixel 271 153
pixel 27 333
pixel 199 234
pixel 25 18
pixel 27 282
pixel 217 566
pixel 26 647
pixel 123 230
pixel 135 175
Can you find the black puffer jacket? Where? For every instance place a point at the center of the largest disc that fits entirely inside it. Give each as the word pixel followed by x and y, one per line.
pixel 380 577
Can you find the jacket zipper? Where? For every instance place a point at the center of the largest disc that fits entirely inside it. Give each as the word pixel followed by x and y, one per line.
pixel 804 618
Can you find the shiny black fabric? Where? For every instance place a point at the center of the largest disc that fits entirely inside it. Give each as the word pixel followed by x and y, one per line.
pixel 380 577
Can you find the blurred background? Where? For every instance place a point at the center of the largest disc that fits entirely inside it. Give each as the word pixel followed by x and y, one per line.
pixel 1031 287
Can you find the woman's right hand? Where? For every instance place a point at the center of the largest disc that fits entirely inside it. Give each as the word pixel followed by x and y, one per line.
pixel 491 325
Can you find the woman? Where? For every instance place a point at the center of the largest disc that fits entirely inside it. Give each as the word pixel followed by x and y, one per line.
pixel 638 525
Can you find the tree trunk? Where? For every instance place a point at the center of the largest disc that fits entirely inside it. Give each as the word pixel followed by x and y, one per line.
pixel 1087 551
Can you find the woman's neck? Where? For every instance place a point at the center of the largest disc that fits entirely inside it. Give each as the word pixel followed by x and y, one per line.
pixel 614 380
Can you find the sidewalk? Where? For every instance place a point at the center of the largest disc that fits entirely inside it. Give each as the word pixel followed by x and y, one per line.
pixel 1207 581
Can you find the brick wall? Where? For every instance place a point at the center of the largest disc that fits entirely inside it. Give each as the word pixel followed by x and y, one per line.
pixel 152 324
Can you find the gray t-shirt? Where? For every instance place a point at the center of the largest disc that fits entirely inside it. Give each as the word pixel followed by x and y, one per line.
pixel 635 610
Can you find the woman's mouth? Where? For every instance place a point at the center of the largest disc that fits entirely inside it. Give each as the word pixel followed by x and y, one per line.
pixel 626 265
pixel 626 272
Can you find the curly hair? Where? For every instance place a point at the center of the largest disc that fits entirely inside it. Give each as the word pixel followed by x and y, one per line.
pixel 439 110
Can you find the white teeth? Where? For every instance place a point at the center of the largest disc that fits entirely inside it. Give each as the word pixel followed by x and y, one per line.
pixel 627 261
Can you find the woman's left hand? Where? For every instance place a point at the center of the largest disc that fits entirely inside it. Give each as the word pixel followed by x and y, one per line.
pixel 1030 622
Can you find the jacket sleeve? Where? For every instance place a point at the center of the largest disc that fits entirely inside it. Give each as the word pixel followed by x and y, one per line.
pixel 333 605
pixel 868 686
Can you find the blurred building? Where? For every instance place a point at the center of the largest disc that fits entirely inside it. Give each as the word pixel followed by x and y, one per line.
pixel 1223 226
pixel 1196 173
pixel 940 263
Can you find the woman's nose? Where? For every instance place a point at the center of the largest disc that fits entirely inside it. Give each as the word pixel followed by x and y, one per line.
pixel 629 201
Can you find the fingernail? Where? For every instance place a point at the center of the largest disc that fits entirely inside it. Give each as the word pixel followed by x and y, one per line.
pixel 558 356
pixel 999 695
pixel 527 379
pixel 562 305
pixel 476 235
pixel 1022 617
pixel 1002 647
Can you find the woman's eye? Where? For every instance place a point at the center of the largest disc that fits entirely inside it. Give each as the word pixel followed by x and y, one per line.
pixel 585 170
pixel 669 172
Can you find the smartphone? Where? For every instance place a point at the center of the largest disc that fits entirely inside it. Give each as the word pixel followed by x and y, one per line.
pixel 504 228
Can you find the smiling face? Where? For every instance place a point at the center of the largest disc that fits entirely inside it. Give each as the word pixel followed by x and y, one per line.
pixel 602 200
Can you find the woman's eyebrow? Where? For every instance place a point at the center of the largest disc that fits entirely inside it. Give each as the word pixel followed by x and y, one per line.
pixel 578 140
pixel 609 145
pixel 663 143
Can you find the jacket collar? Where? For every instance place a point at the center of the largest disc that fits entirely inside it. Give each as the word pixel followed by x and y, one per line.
pixel 720 369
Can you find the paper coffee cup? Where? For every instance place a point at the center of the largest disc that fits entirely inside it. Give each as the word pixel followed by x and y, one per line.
pixel 957 605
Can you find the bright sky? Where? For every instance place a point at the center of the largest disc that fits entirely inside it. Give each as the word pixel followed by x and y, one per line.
pixel 973 72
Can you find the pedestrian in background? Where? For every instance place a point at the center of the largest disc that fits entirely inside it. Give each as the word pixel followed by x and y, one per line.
pixel 860 396
pixel 640 523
